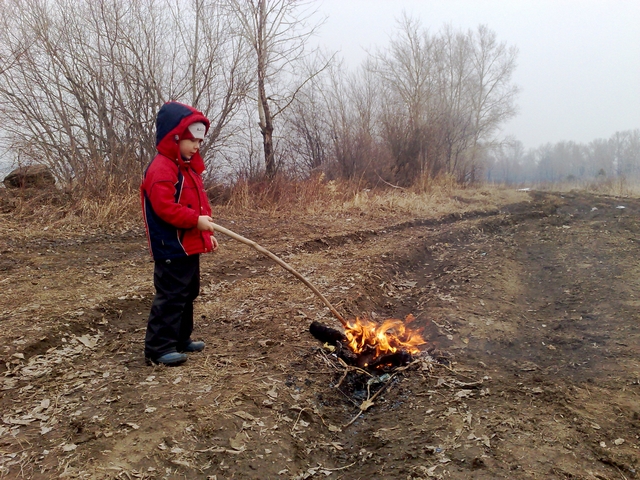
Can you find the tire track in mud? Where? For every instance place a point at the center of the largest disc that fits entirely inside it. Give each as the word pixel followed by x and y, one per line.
pixel 506 215
pixel 510 214
pixel 434 235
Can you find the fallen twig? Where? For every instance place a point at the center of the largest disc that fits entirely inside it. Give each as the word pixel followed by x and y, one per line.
pixel 297 419
pixel 453 371
pixel 339 468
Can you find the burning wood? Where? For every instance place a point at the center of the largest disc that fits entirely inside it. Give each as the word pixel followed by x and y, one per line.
pixel 385 361
pixel 369 345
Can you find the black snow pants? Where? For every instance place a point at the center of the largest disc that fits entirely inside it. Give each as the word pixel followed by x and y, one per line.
pixel 177 283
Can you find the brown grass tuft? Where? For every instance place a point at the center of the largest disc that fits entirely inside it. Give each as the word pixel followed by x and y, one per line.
pixel 57 209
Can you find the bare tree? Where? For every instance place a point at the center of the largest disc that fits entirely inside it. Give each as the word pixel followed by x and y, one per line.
pixel 406 72
pixel 444 96
pixel 84 95
pixel 426 105
pixel 216 79
pixel 452 115
pixel 492 92
pixel 600 158
pixel 506 161
pixel 309 135
pixel 341 122
pixel 277 32
pixel 626 150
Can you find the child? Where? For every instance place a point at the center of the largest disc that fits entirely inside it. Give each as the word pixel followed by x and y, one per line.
pixel 179 228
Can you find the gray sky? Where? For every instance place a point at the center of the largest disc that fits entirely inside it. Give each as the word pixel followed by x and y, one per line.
pixel 578 62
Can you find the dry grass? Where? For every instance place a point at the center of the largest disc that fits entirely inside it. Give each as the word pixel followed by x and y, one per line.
pixel 436 202
pixel 317 196
pixel 31 212
pixel 616 187
pixel 276 195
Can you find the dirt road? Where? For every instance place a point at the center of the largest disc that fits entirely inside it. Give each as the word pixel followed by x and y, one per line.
pixel 532 369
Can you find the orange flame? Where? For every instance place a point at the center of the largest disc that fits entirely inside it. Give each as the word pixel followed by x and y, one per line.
pixel 388 338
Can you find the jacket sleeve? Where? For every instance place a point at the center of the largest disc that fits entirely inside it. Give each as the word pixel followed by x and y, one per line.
pixel 161 193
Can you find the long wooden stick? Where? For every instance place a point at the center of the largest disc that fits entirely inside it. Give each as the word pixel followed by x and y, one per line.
pixel 284 265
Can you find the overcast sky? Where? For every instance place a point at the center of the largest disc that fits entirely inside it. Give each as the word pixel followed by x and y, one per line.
pixel 578 63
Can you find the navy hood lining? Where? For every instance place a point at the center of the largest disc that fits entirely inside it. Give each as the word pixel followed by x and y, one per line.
pixel 169 117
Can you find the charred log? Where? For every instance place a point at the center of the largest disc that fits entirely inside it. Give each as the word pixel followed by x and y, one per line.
pixel 343 352
pixel 336 338
pixel 388 361
pixel 391 360
pixel 327 334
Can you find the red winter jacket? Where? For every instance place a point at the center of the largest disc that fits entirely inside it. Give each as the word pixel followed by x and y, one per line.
pixel 172 193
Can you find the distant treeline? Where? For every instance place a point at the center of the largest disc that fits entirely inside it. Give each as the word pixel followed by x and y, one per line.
pixel 81 82
pixel 619 156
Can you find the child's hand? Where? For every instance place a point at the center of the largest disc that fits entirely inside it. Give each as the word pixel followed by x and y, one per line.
pixel 214 243
pixel 205 223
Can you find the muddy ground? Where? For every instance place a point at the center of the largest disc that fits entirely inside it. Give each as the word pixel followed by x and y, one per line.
pixel 532 368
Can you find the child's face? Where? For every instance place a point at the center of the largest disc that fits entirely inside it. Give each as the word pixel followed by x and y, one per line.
pixel 189 147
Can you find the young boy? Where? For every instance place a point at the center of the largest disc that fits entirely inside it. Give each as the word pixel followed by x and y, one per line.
pixel 179 228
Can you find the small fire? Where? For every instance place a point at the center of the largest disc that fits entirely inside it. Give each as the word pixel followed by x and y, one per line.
pixel 392 336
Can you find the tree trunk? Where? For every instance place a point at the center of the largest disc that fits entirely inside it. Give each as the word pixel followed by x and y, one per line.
pixel 264 112
pixel 266 128
pixel 269 157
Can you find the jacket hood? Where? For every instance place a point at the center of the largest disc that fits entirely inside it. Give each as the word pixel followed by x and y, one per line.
pixel 172 120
